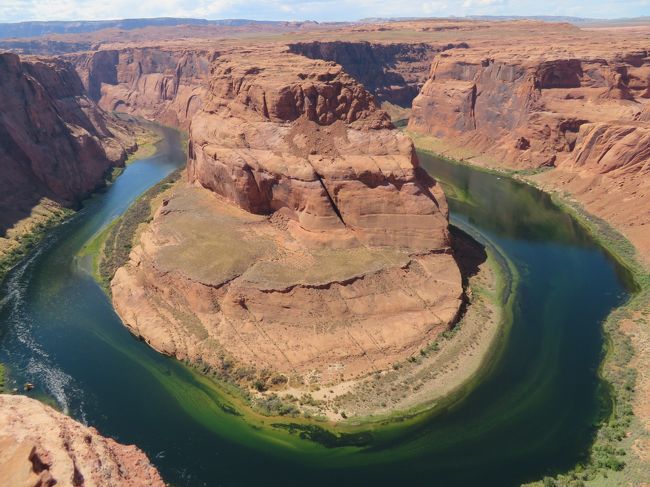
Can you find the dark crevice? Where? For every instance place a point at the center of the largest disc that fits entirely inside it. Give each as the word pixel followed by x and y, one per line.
pixel 329 197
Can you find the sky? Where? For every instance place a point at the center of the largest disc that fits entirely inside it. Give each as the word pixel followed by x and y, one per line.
pixel 320 10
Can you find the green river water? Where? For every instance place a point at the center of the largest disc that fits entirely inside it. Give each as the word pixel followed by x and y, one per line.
pixel 532 413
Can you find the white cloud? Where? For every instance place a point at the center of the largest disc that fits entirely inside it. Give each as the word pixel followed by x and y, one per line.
pixel 435 7
pixel 14 10
pixel 482 3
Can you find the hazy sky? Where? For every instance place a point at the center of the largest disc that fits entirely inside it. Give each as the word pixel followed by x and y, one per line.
pixel 18 10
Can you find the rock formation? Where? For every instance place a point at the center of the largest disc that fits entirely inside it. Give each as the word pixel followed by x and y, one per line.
pixel 41 447
pixel 166 85
pixel 393 72
pixel 529 112
pixel 320 251
pixel 583 113
pixel 54 141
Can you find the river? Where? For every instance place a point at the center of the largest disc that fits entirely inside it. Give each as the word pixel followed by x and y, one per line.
pixel 533 413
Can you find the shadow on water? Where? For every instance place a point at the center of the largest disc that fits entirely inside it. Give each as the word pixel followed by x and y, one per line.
pixel 533 414
pixel 469 253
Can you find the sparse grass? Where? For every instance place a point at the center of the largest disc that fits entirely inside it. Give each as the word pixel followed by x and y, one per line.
pixel 114 245
pixel 2 378
pixel 327 266
pixel 146 140
pixel 273 405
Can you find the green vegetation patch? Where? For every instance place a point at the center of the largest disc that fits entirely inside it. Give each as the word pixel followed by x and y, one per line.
pixel 326 437
pixel 29 240
pixel 3 378
pixel 324 266
pixel 114 245
pixel 147 140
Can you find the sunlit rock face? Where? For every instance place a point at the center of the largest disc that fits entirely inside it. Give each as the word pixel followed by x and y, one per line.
pixel 306 237
pixel 40 446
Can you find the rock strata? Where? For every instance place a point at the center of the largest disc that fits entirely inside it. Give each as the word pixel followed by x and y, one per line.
pixel 41 447
pixel 394 72
pixel 54 141
pixel 309 245
pixel 580 109
pixel 165 85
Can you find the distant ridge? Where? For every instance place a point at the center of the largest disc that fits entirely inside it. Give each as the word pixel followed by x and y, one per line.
pixel 30 29
pixel 542 18
pixel 42 28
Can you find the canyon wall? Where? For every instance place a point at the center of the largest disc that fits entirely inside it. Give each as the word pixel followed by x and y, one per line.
pixel 165 85
pixel 531 112
pixel 42 447
pixel 307 242
pixel 586 117
pixel 54 141
pixel 393 72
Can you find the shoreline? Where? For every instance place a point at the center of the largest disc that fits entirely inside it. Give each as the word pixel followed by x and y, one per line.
pixel 466 353
pixel 35 228
pixel 29 232
pixel 625 339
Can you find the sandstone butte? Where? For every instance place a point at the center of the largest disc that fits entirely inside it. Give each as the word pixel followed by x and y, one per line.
pixel 329 255
pixel 42 447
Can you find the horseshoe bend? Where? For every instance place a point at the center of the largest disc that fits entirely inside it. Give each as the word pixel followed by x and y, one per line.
pixel 299 251
pixel 330 250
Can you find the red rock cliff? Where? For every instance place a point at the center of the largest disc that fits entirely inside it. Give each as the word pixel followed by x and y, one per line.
pixel 585 115
pixel 303 137
pixel 54 141
pixel 41 447
pixel 532 112
pixel 165 85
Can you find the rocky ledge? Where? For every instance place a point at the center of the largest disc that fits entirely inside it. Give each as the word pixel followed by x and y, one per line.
pixel 41 447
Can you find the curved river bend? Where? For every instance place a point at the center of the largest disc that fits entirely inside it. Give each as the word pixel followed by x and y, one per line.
pixel 532 414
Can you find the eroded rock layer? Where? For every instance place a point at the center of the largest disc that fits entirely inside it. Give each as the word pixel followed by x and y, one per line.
pixel 394 72
pixel 309 243
pixel 580 110
pixel 166 85
pixel 41 447
pixel 54 141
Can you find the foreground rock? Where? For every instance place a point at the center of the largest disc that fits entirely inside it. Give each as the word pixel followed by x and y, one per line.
pixel 310 246
pixel 41 447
